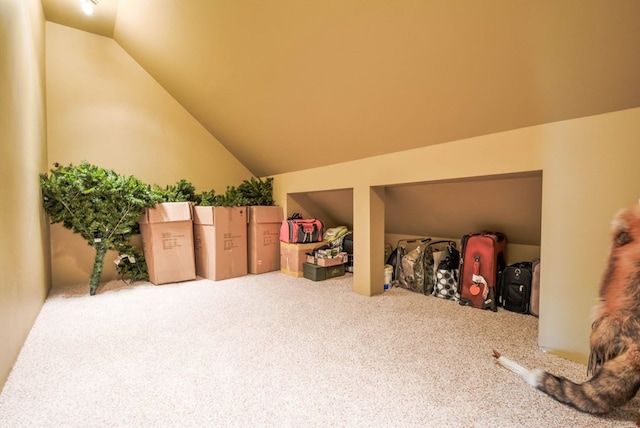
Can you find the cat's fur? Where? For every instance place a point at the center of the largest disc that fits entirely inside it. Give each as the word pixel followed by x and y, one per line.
pixel 614 361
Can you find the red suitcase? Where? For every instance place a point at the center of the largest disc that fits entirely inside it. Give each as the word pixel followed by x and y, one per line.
pixel 482 259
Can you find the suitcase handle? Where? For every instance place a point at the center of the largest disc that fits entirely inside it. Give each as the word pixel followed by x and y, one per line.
pixel 451 243
pixel 423 240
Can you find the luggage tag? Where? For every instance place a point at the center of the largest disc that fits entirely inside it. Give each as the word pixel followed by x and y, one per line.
pixel 479 283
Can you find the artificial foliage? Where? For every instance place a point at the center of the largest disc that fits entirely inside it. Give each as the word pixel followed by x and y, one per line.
pixel 230 198
pixel 182 191
pixel 207 199
pixel 254 191
pixel 103 207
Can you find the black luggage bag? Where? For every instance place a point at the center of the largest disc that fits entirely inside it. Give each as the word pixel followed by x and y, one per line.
pixel 515 287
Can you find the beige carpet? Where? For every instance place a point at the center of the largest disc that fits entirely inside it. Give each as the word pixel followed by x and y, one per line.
pixel 274 351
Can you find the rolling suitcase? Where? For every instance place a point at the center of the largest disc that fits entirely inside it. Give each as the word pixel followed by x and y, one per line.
pixel 482 258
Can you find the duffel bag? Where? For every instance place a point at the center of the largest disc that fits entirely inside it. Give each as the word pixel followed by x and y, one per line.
pixel 301 230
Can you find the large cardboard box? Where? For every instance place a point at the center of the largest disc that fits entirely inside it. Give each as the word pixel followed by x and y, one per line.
pixel 263 238
pixel 167 242
pixel 292 256
pixel 220 235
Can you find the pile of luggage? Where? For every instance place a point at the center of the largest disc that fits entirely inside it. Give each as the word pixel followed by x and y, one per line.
pixel 310 250
pixel 475 275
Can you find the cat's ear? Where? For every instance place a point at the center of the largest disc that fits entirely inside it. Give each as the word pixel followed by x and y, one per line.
pixel 619 223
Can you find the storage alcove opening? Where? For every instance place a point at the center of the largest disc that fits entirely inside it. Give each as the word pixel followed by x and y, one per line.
pixel 333 207
pixel 448 209
pixel 509 203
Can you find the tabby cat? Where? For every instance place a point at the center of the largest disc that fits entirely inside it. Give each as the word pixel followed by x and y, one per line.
pixel 614 361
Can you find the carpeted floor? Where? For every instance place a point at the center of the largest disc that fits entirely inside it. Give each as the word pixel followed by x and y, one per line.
pixel 274 351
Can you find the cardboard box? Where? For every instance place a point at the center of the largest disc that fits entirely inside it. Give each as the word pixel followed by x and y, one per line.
pixel 263 238
pixel 341 258
pixel 220 240
pixel 320 273
pixel 167 242
pixel 328 252
pixel 292 256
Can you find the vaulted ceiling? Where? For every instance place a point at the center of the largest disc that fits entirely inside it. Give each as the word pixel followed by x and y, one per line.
pixel 356 78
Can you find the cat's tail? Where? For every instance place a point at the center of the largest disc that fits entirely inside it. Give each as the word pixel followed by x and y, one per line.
pixel 614 384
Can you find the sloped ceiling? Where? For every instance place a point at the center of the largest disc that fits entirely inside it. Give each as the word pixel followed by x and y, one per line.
pixel 358 78
pixel 355 78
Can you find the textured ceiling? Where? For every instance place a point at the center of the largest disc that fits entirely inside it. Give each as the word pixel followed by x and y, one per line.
pixel 353 78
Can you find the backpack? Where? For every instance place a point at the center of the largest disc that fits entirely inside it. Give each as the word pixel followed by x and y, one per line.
pixel 410 269
pixel 515 287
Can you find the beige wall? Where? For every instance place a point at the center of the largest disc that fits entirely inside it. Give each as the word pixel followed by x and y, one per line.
pixel 24 247
pixel 589 168
pixel 102 107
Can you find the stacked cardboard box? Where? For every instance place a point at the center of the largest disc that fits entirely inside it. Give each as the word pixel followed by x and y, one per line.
pixel 263 237
pixel 167 241
pixel 292 257
pixel 317 259
pixel 220 235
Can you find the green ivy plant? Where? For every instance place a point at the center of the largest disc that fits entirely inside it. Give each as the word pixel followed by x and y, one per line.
pixel 103 207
